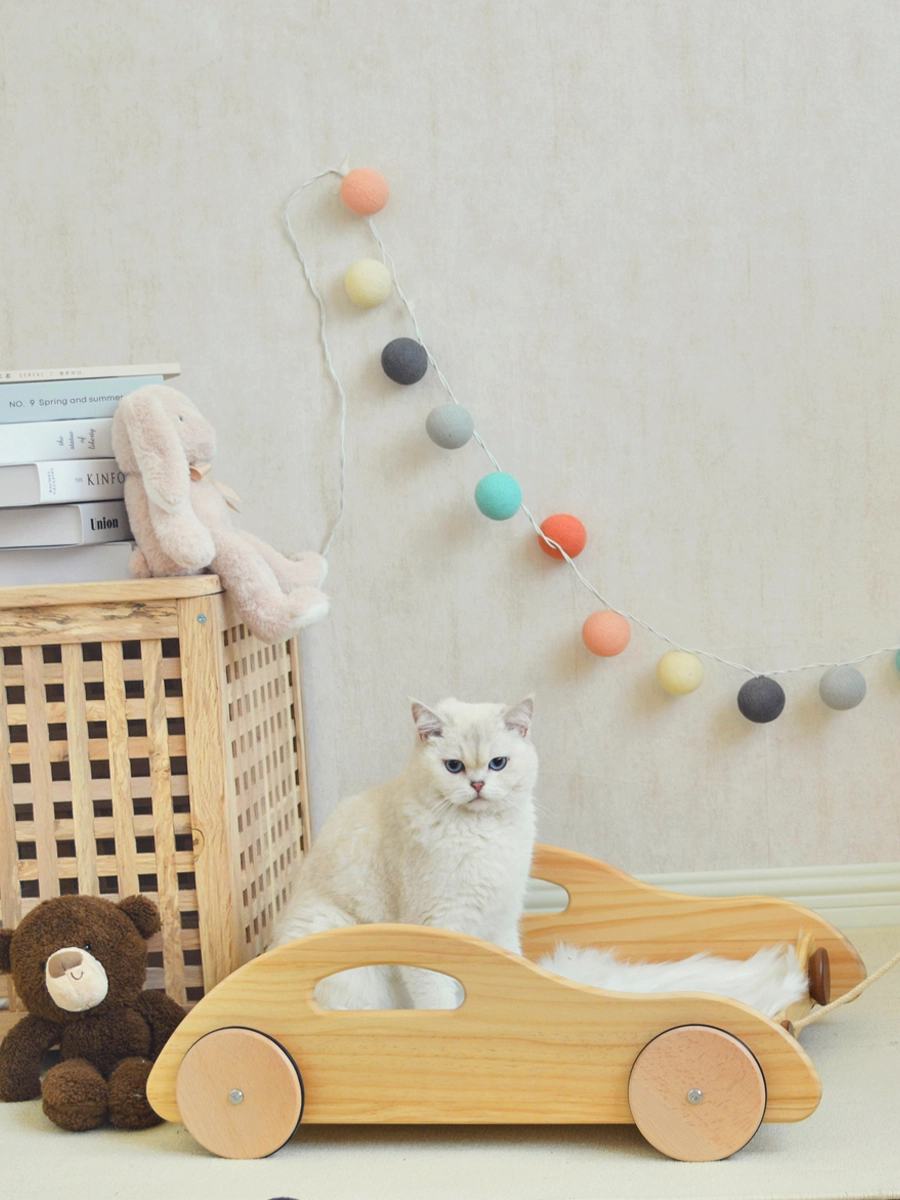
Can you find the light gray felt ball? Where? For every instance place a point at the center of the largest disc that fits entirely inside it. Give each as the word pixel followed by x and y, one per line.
pixel 842 687
pixel 404 360
pixel 450 426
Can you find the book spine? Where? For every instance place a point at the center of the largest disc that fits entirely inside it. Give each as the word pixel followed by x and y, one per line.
pixel 104 522
pixel 41 441
pixel 65 398
pixel 81 479
pixel 64 564
pixel 40 374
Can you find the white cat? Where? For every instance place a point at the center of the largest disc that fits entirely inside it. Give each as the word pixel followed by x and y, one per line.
pixel 448 843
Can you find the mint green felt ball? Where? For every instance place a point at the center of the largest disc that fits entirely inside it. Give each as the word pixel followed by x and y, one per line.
pixel 498 496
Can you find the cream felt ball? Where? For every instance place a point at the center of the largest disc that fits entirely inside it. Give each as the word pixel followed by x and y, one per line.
pixel 679 672
pixel 498 496
pixel 364 191
pixel 842 687
pixel 606 633
pixel 567 531
pixel 368 283
pixel 450 426
pixel 761 699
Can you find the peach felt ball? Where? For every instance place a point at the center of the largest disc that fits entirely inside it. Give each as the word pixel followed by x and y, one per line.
pixel 364 191
pixel 567 531
pixel 606 633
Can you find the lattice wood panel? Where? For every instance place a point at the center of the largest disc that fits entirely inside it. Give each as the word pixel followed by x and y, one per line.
pixel 94 790
pixel 261 699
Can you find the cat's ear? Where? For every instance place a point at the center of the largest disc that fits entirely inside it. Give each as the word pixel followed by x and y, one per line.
pixel 518 718
pixel 428 723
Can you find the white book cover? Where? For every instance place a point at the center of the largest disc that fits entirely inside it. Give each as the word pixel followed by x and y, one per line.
pixel 42 441
pixel 61 482
pixel 64 524
pixel 65 564
pixel 167 370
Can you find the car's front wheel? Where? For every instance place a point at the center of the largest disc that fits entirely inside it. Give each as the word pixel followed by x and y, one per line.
pixel 239 1093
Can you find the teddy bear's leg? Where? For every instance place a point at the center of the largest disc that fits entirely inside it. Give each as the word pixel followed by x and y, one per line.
pixel 75 1094
pixel 128 1106
pixel 299 570
pixel 270 614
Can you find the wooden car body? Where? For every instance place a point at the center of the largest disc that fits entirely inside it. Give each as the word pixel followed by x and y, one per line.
pixel 525 1046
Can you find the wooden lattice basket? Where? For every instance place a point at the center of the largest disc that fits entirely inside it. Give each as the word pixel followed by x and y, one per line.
pixel 148 742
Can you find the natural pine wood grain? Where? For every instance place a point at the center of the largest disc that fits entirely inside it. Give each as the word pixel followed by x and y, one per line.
pixel 524 1047
pixel 38 747
pixel 76 719
pixel 163 825
pixel 87 623
pixel 609 908
pixel 122 591
pixel 199 634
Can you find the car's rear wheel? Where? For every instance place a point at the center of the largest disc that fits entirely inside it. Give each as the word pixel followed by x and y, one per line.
pixel 697 1093
pixel 239 1093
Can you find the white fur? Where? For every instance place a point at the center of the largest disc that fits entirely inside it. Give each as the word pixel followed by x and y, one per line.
pixel 426 849
pixel 769 981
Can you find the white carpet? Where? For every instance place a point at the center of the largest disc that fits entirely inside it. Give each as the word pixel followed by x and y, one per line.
pixel 848 1149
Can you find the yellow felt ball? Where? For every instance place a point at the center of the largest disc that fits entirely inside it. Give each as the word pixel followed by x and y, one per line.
pixel 368 283
pixel 679 672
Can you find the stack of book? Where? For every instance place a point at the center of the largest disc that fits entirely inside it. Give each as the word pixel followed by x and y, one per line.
pixel 62 516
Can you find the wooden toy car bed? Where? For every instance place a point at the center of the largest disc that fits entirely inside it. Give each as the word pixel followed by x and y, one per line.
pixel 696 1073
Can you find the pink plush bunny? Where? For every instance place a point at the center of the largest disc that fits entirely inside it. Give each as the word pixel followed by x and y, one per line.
pixel 181 523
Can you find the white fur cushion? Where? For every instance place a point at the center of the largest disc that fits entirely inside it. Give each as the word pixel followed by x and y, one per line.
pixel 769 981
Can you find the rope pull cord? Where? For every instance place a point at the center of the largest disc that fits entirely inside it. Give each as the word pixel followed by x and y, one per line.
pixel 340 172
pixel 818 1013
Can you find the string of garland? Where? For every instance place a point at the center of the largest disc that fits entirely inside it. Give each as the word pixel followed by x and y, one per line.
pixel 607 631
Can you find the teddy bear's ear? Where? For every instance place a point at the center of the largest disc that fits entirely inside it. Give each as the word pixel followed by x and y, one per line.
pixel 6 936
pixel 145 440
pixel 142 912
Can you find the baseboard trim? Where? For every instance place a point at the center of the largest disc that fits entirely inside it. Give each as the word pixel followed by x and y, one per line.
pixel 859 896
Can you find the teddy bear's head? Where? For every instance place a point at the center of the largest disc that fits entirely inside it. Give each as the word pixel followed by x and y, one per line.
pixel 75 953
pixel 159 434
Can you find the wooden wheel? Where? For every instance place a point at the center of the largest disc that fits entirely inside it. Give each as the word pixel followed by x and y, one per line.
pixel 697 1093
pixel 239 1093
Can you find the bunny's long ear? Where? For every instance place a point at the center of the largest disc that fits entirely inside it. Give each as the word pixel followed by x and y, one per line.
pixel 145 440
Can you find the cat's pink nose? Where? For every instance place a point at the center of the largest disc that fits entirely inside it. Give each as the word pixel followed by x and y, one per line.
pixel 477 784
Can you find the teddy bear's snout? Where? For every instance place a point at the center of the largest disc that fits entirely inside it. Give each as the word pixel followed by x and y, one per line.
pixel 62 961
pixel 75 979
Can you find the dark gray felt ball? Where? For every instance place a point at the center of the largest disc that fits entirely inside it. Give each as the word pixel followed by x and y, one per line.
pixel 404 360
pixel 761 699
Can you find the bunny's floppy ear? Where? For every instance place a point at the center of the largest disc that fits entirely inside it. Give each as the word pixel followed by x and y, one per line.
pixel 146 441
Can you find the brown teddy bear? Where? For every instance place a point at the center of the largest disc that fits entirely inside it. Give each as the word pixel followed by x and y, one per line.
pixel 79 965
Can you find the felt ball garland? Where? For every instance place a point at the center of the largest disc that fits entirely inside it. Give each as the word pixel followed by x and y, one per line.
pixel 450 426
pixel 368 283
pixel 404 360
pixel 498 496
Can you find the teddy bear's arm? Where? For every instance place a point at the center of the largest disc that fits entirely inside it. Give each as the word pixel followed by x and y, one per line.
pixel 162 1014
pixel 20 1057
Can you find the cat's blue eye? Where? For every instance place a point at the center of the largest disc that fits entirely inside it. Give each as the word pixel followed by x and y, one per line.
pixel 454 766
pixel 497 764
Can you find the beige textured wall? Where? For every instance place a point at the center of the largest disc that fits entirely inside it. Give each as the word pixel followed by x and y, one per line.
pixel 655 247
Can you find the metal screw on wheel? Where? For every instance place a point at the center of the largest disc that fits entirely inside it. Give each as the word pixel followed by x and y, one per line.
pixel 239 1093
pixel 697 1093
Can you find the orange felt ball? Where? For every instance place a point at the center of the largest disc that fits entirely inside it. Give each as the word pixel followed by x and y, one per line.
pixel 567 531
pixel 364 191
pixel 606 633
